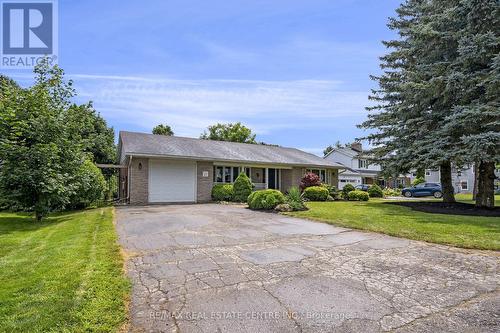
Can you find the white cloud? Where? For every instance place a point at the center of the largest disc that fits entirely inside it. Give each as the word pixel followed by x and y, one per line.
pixel 189 106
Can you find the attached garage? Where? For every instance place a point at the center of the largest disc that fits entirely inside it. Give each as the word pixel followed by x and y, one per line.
pixel 172 181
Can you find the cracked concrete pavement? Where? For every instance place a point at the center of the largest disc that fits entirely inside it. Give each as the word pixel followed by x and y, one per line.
pixel 224 268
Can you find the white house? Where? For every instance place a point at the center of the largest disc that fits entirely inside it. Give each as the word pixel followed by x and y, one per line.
pixel 462 178
pixel 352 157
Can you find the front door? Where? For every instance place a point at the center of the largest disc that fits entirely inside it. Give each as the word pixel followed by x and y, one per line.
pixel 274 179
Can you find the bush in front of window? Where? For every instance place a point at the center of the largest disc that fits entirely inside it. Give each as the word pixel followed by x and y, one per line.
pixel 308 180
pixel 222 192
pixel 242 188
pixel 375 191
pixel 358 195
pixel 345 191
pixel 265 199
pixel 316 193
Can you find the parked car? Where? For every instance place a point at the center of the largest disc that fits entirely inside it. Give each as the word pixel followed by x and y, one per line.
pixel 362 187
pixel 423 190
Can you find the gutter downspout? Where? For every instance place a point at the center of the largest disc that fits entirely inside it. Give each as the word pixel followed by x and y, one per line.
pixel 128 179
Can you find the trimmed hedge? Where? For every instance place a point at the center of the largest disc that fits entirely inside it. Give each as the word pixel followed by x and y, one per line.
pixel 357 195
pixel 375 191
pixel 316 193
pixel 242 188
pixel 265 199
pixel 222 192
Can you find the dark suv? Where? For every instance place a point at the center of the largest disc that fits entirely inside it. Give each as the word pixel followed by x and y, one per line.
pixel 362 187
pixel 423 190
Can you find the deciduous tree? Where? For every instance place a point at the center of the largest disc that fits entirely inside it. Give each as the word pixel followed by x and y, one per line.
pixel 229 132
pixel 163 129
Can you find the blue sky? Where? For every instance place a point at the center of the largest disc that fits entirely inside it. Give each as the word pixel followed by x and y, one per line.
pixel 296 72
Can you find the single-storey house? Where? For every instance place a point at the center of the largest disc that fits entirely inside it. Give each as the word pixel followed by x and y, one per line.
pixel 167 169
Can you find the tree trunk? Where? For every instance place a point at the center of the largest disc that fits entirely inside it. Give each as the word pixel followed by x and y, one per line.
pixel 485 197
pixel 446 182
pixel 38 216
pixel 476 180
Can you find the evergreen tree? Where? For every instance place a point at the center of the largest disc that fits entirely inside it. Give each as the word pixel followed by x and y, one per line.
pixel 474 79
pixel 413 98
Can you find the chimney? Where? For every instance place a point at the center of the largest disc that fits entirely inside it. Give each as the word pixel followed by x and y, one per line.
pixel 357 146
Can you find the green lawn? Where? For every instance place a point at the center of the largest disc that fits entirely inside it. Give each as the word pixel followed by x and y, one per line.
pixel 375 215
pixel 62 275
pixel 467 198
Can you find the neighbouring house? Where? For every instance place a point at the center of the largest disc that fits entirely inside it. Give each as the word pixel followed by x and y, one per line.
pixel 167 169
pixel 360 170
pixel 462 178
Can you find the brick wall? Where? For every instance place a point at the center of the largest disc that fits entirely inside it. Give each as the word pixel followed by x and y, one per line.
pixel 139 181
pixel 291 177
pixel 204 184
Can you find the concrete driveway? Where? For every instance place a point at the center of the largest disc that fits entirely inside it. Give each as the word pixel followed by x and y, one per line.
pixel 217 268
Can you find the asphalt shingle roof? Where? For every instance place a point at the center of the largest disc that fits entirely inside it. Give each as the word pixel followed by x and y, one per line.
pixel 143 144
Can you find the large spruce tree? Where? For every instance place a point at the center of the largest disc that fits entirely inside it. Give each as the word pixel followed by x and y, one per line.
pixel 474 79
pixel 431 108
pixel 412 99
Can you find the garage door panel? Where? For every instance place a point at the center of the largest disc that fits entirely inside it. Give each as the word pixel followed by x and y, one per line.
pixel 172 181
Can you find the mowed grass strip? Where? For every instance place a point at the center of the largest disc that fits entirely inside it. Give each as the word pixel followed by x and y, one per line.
pixel 62 275
pixel 376 215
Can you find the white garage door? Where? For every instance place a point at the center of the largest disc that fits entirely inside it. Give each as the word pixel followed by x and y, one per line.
pixel 172 181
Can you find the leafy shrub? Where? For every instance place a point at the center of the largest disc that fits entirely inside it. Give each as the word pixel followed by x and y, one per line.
pixel 345 191
pixel 242 188
pixel 418 180
pixel 391 192
pixel 294 199
pixel 308 180
pixel 357 195
pixel 222 192
pixel 316 193
pixel 90 186
pixel 111 188
pixel 332 190
pixel 265 199
pixel 375 191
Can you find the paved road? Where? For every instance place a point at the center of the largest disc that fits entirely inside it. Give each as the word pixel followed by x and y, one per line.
pixel 216 268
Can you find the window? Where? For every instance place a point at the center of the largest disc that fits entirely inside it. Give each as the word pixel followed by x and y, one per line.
pixel 464 185
pixel 218 174
pixel 225 174
pixel 427 173
pixel 321 173
pixel 362 164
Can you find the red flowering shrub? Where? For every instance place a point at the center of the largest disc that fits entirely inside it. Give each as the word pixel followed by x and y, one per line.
pixel 308 180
